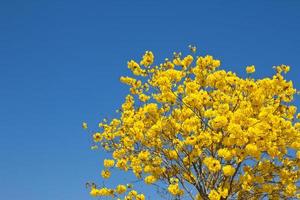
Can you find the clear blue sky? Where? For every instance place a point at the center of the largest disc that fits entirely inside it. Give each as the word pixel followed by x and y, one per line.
pixel 60 62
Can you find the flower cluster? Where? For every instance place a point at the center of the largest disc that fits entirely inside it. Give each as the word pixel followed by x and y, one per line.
pixel 202 132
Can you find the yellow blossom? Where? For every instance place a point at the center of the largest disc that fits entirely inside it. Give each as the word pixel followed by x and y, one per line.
pixel 290 189
pixel 121 189
pixel 250 69
pixel 140 197
pixel 225 153
pixel 97 137
pixel 223 192
pixel 148 58
pixel 175 190
pixel 252 150
pixel 228 170
pixel 108 163
pixel 84 125
pixel 212 164
pixel 105 174
pixel 144 97
pixel 219 122
pixel 150 179
pixel 214 195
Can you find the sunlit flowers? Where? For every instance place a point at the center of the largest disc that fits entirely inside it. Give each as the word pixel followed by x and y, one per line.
pixel 201 132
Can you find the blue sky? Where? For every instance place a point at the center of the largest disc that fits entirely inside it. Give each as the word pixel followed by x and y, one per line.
pixel 60 62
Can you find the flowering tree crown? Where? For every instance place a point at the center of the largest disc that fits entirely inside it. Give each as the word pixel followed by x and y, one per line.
pixel 203 133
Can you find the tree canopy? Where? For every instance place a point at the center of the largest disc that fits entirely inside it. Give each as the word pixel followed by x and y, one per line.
pixel 201 132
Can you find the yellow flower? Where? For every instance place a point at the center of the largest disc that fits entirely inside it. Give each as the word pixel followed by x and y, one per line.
pixel 106 192
pixel 285 68
pixel 252 150
pixel 148 59
pixel 214 195
pixel 97 137
pixel 225 153
pixel 94 192
pixel 133 193
pixel 105 174
pixel 150 179
pixel 130 81
pixel 172 154
pixel 212 164
pixel 191 140
pixel 84 125
pixel 144 97
pixel 228 170
pixel 282 68
pixel 175 190
pixel 250 69
pixel 122 164
pixel 121 189
pixel 290 189
pixel 219 122
pixel 101 192
pixel 108 163
pixel 140 197
pixel 135 68
pixel 144 155
pixel 223 192
pixel 187 61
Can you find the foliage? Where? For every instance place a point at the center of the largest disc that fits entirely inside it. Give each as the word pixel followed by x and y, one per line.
pixel 204 133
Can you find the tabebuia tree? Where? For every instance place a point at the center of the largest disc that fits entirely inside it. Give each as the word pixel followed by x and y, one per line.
pixel 201 132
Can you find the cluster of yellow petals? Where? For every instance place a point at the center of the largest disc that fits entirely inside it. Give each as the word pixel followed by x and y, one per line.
pixel 228 170
pixel 250 69
pixel 222 135
pixel 175 190
pixel 218 194
pixel 114 193
pixel 212 164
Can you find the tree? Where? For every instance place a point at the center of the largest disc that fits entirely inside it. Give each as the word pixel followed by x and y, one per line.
pixel 204 133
